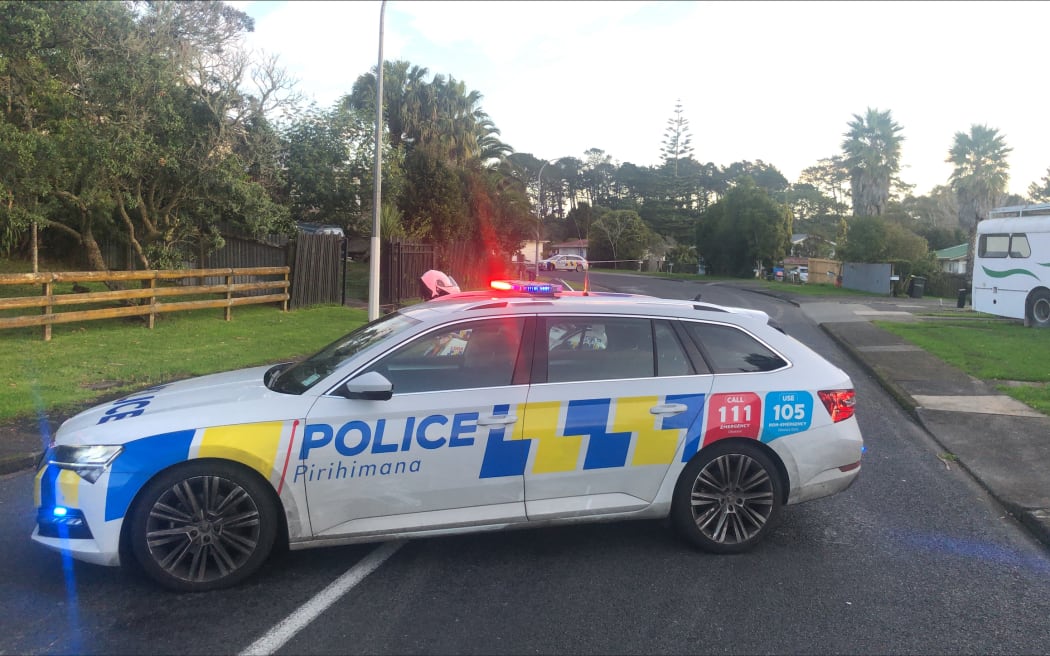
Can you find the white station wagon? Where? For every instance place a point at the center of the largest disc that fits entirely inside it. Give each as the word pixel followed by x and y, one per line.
pixel 479 410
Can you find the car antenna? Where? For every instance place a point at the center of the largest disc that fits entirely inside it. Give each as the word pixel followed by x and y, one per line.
pixel 587 280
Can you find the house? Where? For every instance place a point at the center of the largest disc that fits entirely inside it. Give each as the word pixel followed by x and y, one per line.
pixel 803 244
pixel 953 258
pixel 529 250
pixel 574 247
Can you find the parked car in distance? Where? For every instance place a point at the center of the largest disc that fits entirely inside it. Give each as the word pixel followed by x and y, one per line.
pixel 803 274
pixel 320 229
pixel 564 263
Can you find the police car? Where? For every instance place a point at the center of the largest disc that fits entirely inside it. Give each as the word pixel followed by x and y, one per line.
pixel 520 406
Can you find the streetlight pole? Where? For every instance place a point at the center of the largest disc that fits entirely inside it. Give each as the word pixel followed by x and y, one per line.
pixel 373 260
pixel 539 216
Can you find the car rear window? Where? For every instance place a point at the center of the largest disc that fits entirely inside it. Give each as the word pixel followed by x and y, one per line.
pixel 729 349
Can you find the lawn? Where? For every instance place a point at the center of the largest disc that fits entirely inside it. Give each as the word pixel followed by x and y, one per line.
pixel 89 361
pixel 1015 358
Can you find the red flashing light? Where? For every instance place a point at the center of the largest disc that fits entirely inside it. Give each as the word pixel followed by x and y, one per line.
pixel 840 403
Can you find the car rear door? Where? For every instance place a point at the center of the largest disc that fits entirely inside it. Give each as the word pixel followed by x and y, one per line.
pixel 612 403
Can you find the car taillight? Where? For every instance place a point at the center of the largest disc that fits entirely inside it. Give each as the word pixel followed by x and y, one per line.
pixel 839 403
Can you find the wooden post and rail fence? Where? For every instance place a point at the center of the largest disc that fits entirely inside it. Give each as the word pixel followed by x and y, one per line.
pixel 149 299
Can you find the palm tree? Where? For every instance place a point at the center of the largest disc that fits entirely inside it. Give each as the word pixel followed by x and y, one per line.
pixel 400 80
pixel 872 151
pixel 981 172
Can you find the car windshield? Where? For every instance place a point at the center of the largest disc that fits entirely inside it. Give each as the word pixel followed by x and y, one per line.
pixel 301 376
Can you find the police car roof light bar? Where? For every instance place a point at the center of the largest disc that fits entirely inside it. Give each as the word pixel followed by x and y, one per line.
pixel 525 287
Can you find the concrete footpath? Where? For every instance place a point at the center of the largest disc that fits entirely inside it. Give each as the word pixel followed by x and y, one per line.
pixel 1002 443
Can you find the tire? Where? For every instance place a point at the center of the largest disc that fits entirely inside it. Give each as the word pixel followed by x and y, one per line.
pixel 1039 309
pixel 204 525
pixel 579 268
pixel 708 508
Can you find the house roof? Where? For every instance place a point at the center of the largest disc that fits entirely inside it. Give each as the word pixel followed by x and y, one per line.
pixel 575 243
pixel 953 252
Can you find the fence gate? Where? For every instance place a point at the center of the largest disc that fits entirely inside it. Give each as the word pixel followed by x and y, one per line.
pixel 401 265
pixel 317 270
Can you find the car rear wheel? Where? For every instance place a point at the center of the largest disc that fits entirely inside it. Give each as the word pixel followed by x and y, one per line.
pixel 203 525
pixel 579 268
pixel 727 498
pixel 1039 309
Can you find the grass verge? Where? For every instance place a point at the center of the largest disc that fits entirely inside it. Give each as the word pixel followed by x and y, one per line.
pixel 88 361
pixel 1014 358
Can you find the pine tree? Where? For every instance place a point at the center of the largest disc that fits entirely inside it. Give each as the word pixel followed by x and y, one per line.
pixel 677 139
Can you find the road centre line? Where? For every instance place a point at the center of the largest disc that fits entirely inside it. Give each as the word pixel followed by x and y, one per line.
pixel 286 629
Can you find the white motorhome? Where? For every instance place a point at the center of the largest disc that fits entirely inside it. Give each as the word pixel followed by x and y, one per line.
pixel 1011 266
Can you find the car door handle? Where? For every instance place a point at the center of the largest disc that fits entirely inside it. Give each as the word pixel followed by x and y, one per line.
pixel 498 420
pixel 668 409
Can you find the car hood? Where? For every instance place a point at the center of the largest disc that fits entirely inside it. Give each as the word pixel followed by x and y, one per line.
pixel 235 397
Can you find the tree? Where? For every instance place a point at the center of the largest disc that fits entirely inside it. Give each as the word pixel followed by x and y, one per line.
pixel 872 151
pixel 153 138
pixel 979 177
pixel 830 177
pixel 743 231
pixel 328 163
pixel 981 172
pixel 618 234
pixel 677 144
pixel 876 239
pixel 1039 192
pixel 433 201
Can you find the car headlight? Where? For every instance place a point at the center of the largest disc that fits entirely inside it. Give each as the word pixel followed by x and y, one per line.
pixel 87 461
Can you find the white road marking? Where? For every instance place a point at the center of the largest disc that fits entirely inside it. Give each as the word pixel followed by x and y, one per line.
pixel 284 631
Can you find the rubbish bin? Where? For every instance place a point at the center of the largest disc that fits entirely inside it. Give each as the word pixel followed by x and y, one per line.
pixel 916 286
pixel 961 303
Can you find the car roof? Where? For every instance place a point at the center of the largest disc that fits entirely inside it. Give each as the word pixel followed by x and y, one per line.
pixel 501 303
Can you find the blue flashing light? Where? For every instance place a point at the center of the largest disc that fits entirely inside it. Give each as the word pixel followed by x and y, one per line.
pixel 62 522
pixel 524 287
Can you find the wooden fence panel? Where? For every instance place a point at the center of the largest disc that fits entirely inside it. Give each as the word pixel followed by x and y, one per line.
pixel 317 270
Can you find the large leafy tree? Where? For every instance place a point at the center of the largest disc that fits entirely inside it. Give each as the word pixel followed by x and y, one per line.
pixel 328 163
pixel 981 172
pixel 743 231
pixel 153 138
pixel 872 151
pixel 617 235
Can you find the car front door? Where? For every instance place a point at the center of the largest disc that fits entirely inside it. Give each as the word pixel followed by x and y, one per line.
pixel 613 403
pixel 439 452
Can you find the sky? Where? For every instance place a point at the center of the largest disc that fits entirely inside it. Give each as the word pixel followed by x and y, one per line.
pixel 771 81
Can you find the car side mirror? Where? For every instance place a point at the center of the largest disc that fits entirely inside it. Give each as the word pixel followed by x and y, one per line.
pixel 370 386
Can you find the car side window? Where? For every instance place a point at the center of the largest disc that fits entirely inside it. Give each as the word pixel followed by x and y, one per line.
pixel 598 348
pixel 671 358
pixel 466 355
pixel 729 349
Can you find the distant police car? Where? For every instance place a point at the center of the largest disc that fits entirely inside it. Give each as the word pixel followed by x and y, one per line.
pixel 479 410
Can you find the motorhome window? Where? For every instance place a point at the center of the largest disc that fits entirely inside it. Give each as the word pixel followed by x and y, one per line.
pixel 994 246
pixel 1019 246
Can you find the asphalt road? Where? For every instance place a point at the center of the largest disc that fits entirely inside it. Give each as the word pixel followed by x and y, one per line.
pixel 914 558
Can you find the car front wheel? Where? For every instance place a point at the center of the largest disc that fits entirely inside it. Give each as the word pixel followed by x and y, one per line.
pixel 203 525
pixel 727 498
pixel 579 268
